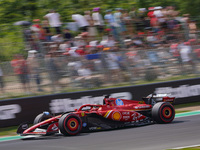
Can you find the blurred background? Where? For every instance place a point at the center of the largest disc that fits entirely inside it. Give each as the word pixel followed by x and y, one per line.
pixel 62 46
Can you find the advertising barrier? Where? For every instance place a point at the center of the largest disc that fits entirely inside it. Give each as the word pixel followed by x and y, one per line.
pixel 16 111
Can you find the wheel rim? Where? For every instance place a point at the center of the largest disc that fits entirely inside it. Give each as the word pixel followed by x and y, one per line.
pixel 167 112
pixel 72 124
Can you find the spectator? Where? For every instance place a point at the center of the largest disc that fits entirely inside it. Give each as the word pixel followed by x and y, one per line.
pixel 53 70
pixel 110 20
pixel 54 20
pixel 22 71
pixel 92 31
pixel 114 74
pixel 192 29
pixel 118 19
pixel 79 41
pixel 64 46
pixel 85 77
pixel 57 38
pixel 127 22
pixel 81 21
pixel 186 56
pixel 110 42
pixel 67 34
pixel 38 30
pixel 134 18
pixel 47 31
pixel 98 20
pixel 34 67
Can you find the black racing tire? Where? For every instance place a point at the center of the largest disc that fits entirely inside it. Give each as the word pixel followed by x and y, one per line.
pixel 163 112
pixel 41 117
pixel 70 124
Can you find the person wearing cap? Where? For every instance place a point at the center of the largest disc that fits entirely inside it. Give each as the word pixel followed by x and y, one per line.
pixel 54 20
pixel 37 29
pixel 98 20
pixel 150 13
pixel 159 15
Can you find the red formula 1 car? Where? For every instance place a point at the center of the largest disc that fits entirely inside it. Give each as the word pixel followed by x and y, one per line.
pixel 114 113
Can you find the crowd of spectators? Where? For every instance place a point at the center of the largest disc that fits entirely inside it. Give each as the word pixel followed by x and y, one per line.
pixel 118 28
pixel 110 43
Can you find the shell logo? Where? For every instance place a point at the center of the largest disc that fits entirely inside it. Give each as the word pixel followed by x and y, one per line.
pixel 116 115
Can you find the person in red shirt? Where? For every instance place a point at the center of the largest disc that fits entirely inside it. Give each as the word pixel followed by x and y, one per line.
pixel 21 69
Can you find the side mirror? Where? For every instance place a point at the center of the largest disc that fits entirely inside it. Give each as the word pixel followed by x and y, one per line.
pixel 75 109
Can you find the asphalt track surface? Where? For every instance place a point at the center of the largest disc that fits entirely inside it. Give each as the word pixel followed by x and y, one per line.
pixel 183 131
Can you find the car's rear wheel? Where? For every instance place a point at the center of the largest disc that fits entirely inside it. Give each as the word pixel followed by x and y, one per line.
pixel 70 124
pixel 163 112
pixel 41 117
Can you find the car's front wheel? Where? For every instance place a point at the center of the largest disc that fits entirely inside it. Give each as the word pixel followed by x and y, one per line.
pixel 70 124
pixel 163 112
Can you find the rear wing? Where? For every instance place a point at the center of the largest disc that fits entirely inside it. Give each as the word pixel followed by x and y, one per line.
pixel 155 98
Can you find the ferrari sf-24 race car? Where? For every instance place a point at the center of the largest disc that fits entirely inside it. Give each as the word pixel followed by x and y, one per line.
pixel 114 113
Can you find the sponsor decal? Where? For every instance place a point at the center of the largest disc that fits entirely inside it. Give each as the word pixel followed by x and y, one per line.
pixel 25 126
pixel 39 130
pixel 67 104
pixel 119 102
pixel 107 114
pixel 136 116
pixel 116 115
pixel 54 128
pixel 82 114
pixel 9 111
pixel 141 102
pixel 84 124
pixel 126 117
pixel 142 107
pixel 94 128
pixel 168 100
pixel 181 91
pixel 126 113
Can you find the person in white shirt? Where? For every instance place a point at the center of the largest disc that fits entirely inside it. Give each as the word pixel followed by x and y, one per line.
pixel 98 19
pixel 81 22
pixel 54 20
pixel 186 56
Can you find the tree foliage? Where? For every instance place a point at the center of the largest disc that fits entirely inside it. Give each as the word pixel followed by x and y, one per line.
pixel 15 10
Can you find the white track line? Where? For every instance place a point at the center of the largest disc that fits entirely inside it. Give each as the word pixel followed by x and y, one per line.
pixel 186 146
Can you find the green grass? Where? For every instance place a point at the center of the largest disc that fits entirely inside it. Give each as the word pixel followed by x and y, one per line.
pixel 8 131
pixel 187 105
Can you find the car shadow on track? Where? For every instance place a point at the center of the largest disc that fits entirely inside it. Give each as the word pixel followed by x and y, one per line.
pixel 178 121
